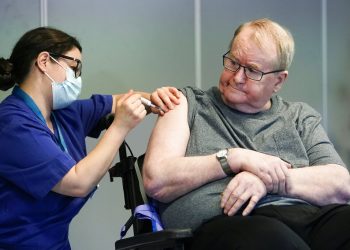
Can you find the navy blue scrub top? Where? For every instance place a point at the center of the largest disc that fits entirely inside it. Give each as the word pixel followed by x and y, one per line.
pixel 32 161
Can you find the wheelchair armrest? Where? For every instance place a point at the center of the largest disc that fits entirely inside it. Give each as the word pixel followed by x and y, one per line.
pixel 175 238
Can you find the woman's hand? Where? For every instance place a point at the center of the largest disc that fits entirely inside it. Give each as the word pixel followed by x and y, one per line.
pixel 129 110
pixel 242 188
pixel 165 98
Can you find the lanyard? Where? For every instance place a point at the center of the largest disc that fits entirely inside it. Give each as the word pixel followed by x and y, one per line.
pixel 18 92
pixel 61 140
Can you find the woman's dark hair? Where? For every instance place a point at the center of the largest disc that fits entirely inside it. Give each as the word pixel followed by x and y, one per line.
pixel 30 45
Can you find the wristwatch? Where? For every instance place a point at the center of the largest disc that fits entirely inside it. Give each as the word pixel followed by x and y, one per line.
pixel 222 158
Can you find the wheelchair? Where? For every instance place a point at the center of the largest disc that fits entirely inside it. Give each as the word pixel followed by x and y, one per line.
pixel 144 238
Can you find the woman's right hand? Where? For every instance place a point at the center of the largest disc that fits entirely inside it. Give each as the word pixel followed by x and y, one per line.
pixel 129 110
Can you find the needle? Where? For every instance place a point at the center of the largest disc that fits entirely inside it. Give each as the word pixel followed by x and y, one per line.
pixel 149 103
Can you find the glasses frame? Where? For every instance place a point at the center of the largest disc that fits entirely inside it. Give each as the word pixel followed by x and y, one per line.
pixel 77 69
pixel 245 67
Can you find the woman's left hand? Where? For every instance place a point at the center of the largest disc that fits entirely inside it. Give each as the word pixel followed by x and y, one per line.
pixel 165 98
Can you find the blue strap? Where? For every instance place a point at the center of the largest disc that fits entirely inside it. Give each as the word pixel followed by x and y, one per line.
pixel 61 140
pixel 18 92
pixel 144 212
pixel 147 211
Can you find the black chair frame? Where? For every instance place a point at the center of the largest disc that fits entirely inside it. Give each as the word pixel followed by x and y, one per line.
pixel 143 238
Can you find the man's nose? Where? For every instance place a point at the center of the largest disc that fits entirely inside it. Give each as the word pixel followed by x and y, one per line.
pixel 240 76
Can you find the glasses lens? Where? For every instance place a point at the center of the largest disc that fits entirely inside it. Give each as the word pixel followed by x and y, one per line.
pixel 253 74
pixel 234 66
pixel 230 64
pixel 78 69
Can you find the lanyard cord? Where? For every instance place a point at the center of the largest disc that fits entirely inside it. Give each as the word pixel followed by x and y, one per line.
pixel 18 92
pixel 61 140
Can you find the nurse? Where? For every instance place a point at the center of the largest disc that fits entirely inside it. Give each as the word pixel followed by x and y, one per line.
pixel 46 175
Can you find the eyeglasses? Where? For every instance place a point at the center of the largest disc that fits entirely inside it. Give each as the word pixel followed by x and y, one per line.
pixel 249 72
pixel 76 69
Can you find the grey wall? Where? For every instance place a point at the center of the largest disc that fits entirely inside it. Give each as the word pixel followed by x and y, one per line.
pixel 145 44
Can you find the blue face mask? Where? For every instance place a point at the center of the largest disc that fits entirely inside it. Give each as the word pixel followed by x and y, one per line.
pixel 66 92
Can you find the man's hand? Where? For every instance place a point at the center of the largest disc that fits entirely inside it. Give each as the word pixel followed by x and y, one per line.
pixel 271 170
pixel 242 188
pixel 165 98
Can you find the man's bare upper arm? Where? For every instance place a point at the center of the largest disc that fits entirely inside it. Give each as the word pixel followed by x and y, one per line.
pixel 170 135
pixel 167 173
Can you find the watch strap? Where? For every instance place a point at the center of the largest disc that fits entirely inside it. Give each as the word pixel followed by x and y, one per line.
pixel 222 157
pixel 224 165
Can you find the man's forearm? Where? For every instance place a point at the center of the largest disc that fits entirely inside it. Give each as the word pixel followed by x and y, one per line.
pixel 173 177
pixel 319 185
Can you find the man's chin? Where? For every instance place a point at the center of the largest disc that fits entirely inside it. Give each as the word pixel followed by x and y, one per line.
pixel 236 98
pixel 236 93
pixel 234 90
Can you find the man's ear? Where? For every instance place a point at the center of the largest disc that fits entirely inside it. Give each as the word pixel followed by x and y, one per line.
pixel 42 60
pixel 281 78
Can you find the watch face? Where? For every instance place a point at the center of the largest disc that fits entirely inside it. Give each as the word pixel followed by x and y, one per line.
pixel 222 153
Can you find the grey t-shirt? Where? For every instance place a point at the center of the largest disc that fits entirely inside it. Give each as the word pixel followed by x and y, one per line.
pixel 291 131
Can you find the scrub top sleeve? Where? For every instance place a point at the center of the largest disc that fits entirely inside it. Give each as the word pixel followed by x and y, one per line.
pixel 31 160
pixel 92 111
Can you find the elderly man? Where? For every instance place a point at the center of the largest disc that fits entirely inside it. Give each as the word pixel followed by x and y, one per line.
pixel 244 168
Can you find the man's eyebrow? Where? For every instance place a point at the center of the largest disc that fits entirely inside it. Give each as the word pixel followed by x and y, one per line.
pixel 254 66
pixel 248 65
